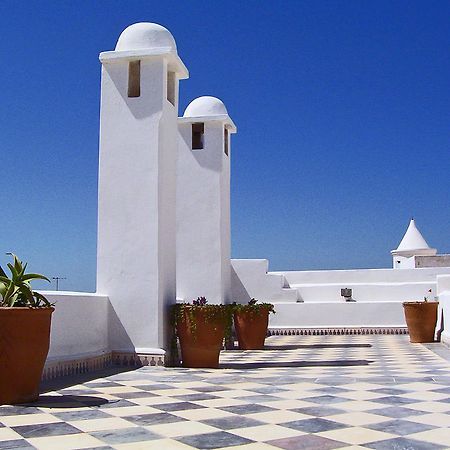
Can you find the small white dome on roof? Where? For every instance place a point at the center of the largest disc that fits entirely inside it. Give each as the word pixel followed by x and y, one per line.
pixel 145 35
pixel 412 240
pixel 205 106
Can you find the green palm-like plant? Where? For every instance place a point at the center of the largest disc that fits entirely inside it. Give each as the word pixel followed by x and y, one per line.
pixel 16 291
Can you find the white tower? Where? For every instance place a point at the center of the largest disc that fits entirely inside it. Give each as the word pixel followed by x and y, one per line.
pixel 137 186
pixel 203 201
pixel 413 244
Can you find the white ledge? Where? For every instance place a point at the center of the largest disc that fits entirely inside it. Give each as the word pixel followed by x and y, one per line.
pixel 175 62
pixel 223 118
pixel 140 350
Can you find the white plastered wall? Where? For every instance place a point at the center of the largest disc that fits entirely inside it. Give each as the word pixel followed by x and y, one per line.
pixel 136 229
pixel 79 325
pixel 203 214
pixel 403 262
pixel 379 294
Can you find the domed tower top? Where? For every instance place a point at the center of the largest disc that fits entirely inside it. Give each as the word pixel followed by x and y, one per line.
pixel 413 243
pixel 207 108
pixel 146 40
pixel 145 35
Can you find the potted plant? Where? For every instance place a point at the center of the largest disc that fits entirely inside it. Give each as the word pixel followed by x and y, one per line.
pixel 25 317
pixel 251 322
pixel 201 329
pixel 421 317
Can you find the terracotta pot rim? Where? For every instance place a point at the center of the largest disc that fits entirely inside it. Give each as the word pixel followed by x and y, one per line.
pixel 26 308
pixel 200 307
pixel 250 308
pixel 420 302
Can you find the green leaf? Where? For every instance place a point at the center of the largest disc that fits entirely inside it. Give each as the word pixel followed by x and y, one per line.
pixel 14 273
pixel 17 263
pixel 27 293
pixel 22 272
pixel 5 280
pixel 42 299
pixel 17 291
pixel 34 276
pixel 11 295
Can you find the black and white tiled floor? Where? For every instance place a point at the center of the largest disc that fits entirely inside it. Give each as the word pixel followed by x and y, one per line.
pixel 302 392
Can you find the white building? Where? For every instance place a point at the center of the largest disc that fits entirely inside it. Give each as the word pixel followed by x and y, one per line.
pixel 164 229
pixel 414 252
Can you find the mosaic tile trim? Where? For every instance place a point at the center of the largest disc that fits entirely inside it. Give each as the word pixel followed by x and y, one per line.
pixel 137 360
pixel 58 369
pixel 334 331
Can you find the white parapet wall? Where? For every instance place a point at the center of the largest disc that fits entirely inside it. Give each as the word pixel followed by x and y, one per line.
pixel 364 275
pixel 79 338
pixel 312 299
pixel 338 316
pixel 368 285
pixel 250 279
pixel 83 334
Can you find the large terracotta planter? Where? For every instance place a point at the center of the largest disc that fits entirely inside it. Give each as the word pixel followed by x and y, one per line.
pixel 200 341
pixel 24 344
pixel 421 319
pixel 251 328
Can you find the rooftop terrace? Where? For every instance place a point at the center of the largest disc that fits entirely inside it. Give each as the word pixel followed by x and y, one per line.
pixel 301 392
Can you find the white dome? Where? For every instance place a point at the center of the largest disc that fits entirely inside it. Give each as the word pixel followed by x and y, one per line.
pixel 205 106
pixel 145 35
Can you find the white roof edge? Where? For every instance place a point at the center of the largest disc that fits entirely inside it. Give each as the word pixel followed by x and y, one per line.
pixel 224 118
pixel 175 61
pixel 415 252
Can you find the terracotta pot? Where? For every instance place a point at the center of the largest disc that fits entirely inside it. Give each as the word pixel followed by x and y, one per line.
pixel 201 344
pixel 421 319
pixel 251 328
pixel 24 344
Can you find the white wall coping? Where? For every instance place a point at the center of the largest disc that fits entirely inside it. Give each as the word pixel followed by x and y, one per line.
pixel 175 62
pixel 379 270
pixel 142 350
pixel 223 118
pixel 343 302
pixel 71 294
pixel 367 283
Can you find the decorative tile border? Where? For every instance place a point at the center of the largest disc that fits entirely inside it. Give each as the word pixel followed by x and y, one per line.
pixel 334 331
pixel 136 360
pixel 58 369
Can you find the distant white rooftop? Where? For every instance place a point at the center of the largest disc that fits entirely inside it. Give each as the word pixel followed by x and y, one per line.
pixel 412 240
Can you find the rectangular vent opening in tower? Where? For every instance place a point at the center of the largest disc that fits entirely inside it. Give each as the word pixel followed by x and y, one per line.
pixel 171 87
pixel 134 79
pixel 226 140
pixel 198 132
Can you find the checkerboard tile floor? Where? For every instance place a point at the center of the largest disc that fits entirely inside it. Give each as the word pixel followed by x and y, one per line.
pixel 301 392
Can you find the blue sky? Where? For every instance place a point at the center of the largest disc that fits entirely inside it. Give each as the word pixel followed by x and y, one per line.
pixel 342 110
